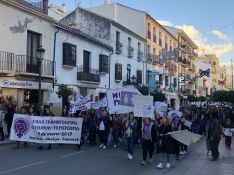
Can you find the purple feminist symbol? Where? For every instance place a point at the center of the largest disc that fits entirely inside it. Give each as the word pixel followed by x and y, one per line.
pixel 21 127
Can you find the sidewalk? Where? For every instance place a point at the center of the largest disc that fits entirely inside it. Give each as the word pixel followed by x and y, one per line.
pixel 196 162
pixel 6 142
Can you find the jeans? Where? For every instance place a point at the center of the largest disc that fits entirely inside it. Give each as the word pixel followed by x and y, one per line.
pixel 2 133
pixel 214 145
pixel 130 145
pixel 148 147
pixel 116 135
pixel 103 136
pixel 228 141
pixel 164 158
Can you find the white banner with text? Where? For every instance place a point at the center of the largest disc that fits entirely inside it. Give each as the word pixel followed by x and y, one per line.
pixel 38 129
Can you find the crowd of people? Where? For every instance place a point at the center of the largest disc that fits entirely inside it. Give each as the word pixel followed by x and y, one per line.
pixel 128 131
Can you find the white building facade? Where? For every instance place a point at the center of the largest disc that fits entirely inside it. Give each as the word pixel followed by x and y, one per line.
pixel 21 34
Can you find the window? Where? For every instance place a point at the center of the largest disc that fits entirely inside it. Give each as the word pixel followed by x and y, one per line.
pixel 83 91
pixel 154 35
pixel 129 42
pixel 86 61
pixel 160 38
pixel 170 45
pixel 118 72
pixel 154 51
pixel 117 36
pixel 118 44
pixel 166 44
pixel 69 54
pixel 33 42
pixel 160 79
pixel 149 31
pixel 139 46
pixel 139 76
pixel 103 63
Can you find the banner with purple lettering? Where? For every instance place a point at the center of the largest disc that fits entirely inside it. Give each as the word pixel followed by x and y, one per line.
pixel 38 129
pixel 121 100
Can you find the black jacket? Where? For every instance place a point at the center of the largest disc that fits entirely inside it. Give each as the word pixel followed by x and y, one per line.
pixel 166 142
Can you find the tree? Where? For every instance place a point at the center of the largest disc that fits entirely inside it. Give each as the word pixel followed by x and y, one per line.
pixel 192 98
pixel 144 90
pixel 64 92
pixel 158 96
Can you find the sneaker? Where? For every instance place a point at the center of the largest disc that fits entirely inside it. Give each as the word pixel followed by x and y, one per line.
pixel 143 163
pixel 130 157
pixel 101 145
pixel 168 165
pixel 160 166
pixel 104 147
pixel 114 146
pixel 151 160
pixel 185 152
pixel 181 152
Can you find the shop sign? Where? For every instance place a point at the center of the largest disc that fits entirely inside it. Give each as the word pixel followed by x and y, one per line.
pixel 23 84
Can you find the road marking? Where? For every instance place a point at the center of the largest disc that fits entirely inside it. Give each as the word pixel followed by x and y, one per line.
pixel 22 167
pixel 71 154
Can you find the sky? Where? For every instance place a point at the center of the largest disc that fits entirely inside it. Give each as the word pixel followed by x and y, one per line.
pixel 210 23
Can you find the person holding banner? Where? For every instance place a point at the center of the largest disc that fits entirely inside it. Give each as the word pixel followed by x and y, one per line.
pixel 131 132
pixel 166 143
pixel 148 140
pixel 104 129
pixel 2 116
pixel 92 123
pixel 116 123
pixel 46 113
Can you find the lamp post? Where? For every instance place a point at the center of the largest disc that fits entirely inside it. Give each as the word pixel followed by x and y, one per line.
pixel 40 56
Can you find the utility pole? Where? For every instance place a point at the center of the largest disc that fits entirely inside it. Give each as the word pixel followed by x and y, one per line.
pixel 232 73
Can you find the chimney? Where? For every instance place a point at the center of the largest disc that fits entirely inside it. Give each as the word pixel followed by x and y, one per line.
pixel 106 2
pixel 45 7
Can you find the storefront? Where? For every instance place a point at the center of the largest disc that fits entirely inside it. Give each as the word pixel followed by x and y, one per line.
pixel 23 91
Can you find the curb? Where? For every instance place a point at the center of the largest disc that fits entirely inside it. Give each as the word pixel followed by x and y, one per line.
pixel 7 143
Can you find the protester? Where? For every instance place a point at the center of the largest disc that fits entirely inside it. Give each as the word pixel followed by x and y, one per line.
pixel 116 123
pixel 46 113
pixel 130 131
pixel 9 117
pixel 228 132
pixel 92 123
pixel 166 143
pixel 104 129
pixel 214 136
pixel 176 126
pixel 148 140
pixel 157 124
pixel 183 127
pixel 2 116
pixel 65 112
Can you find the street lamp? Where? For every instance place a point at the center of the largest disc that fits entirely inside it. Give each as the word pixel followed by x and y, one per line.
pixel 133 79
pixel 40 56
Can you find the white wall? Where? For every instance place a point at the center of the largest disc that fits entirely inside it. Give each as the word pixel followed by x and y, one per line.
pixel 132 19
pixel 68 75
pixel 123 57
pixel 13 30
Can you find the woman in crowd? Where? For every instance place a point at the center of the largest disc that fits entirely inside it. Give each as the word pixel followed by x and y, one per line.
pixel 166 143
pixel 131 131
pixel 116 123
pixel 176 126
pixel 46 113
pixel 148 140
pixel 65 112
pixel 228 132
pixel 183 148
pixel 92 123
pixel 214 135
pixel 104 128
pixel 157 124
pixel 2 116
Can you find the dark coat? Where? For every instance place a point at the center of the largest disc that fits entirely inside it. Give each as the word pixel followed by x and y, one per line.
pixel 166 142
pixel 215 129
pixel 106 121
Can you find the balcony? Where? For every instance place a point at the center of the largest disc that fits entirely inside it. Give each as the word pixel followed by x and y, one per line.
pixel 91 75
pixel 149 58
pixel 130 51
pixel 149 34
pixel 119 47
pixel 38 5
pixel 139 55
pixel 154 38
pixel 157 59
pixel 23 64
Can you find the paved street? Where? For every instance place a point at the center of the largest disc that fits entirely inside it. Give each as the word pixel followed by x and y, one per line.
pixel 92 160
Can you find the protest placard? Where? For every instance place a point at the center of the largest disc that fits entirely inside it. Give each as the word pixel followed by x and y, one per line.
pixel 143 106
pixel 38 129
